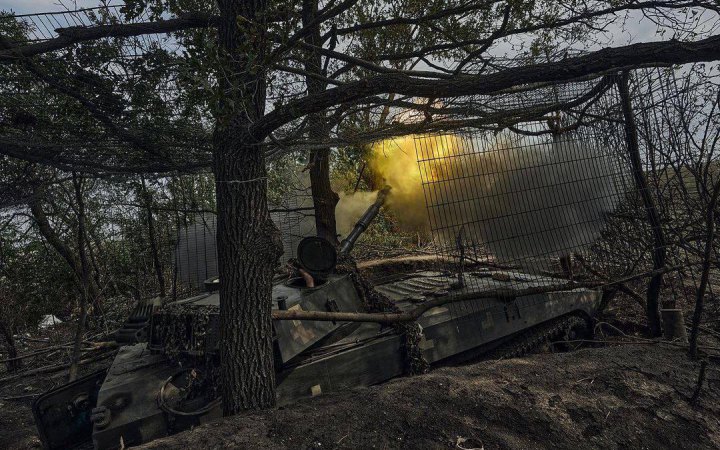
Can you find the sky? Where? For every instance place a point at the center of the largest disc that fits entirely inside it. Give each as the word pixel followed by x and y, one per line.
pixel 640 30
pixel 636 28
pixel 35 6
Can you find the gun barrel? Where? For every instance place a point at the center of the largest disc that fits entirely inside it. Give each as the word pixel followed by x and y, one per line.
pixel 361 225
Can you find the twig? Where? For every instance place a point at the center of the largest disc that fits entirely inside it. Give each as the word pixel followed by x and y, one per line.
pixel 19 397
pixel 701 379
pixel 36 353
pixel 625 289
pixel 94 346
pixel 55 367
pixel 705 273
pixel 709 331
pixel 41 340
pixel 639 341
pixel 601 324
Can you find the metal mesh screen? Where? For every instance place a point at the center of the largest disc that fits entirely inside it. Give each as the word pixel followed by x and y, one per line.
pixel 530 196
pixel 195 254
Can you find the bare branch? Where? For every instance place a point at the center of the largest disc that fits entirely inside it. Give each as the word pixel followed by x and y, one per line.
pixel 582 17
pixel 71 36
pixel 412 315
pixel 670 52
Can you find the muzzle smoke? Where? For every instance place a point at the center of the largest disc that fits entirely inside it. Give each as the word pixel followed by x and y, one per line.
pixel 528 199
pixel 392 162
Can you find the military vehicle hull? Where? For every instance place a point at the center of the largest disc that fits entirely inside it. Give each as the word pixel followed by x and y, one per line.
pixel 314 358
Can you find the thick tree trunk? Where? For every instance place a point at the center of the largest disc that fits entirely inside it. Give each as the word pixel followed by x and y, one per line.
pixel 324 198
pixel 248 241
pixel 658 251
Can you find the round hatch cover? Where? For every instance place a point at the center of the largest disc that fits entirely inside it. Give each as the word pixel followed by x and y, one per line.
pixel 317 255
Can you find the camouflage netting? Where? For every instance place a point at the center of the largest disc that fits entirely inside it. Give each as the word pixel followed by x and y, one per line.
pixel 375 302
pixel 183 329
pixel 185 333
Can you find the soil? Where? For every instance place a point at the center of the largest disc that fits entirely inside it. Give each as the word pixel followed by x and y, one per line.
pixel 626 396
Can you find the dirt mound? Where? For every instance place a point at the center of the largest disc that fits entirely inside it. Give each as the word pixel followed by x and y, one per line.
pixel 621 397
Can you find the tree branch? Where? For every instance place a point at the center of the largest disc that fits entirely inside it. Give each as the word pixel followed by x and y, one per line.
pixel 55 155
pixel 508 294
pixel 71 36
pixel 110 123
pixel 582 17
pixel 323 16
pixel 670 52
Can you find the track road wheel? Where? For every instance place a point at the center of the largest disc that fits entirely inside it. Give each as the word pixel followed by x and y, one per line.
pixel 549 335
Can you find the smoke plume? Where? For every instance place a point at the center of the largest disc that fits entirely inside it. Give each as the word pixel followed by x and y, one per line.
pixel 521 200
pixel 349 209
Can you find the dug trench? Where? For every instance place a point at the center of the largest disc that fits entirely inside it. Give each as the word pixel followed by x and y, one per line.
pixel 619 396
pixel 625 396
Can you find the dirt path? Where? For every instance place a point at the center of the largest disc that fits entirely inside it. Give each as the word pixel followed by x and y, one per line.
pixel 620 397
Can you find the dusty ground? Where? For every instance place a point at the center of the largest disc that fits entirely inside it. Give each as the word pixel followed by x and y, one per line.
pixel 632 396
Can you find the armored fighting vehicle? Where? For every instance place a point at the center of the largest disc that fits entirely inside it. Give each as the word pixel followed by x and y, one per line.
pixel 165 379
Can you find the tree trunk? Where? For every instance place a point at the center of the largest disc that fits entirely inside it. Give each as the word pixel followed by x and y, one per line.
pixel 324 198
pixel 55 242
pixel 7 334
pixel 248 243
pixel 157 265
pixel 84 278
pixel 658 251
pixel 707 263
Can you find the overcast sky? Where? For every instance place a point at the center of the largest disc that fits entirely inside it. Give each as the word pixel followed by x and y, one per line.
pixel 34 6
pixel 637 28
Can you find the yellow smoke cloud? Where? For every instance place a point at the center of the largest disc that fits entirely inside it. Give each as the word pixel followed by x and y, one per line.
pixel 397 163
pixel 527 197
pixel 349 209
